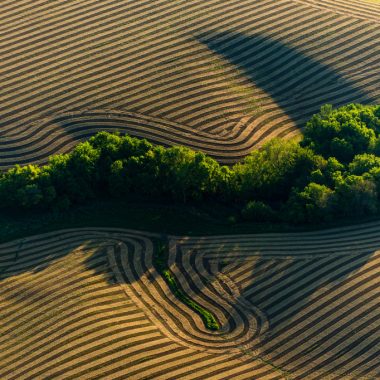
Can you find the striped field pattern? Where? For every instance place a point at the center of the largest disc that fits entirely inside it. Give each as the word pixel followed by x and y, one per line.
pixel 222 76
pixel 88 304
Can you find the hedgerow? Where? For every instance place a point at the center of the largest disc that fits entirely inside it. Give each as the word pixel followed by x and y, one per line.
pixel 160 261
pixel 333 172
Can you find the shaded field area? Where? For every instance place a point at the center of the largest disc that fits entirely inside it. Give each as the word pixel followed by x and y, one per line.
pixel 290 306
pixel 158 70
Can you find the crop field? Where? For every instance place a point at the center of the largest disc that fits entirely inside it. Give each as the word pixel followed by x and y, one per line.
pixel 88 303
pixel 222 76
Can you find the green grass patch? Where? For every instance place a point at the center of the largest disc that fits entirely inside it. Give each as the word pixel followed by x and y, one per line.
pixel 160 260
pixel 207 317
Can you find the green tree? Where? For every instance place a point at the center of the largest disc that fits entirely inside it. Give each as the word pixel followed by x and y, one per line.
pixel 188 174
pixel 343 132
pixel 313 204
pixel 257 211
pixel 363 163
pixel 74 175
pixel 271 172
pixel 356 196
pixel 27 186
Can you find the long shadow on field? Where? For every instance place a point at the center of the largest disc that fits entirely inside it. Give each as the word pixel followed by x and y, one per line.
pixel 299 84
pixel 314 307
pixel 59 256
pixel 321 311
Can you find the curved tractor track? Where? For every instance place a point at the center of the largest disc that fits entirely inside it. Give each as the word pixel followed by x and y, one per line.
pixel 88 303
pixel 220 76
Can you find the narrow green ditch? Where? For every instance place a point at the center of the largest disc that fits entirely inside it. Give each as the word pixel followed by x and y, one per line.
pixel 160 260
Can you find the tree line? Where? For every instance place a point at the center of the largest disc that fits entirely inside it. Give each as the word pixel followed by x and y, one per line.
pixel 333 172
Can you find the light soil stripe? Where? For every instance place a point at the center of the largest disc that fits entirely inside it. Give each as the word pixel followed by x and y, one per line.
pixel 305 279
pixel 149 364
pixel 30 28
pixel 192 359
pixel 86 335
pixel 294 352
pixel 95 352
pixel 46 302
pixel 70 324
pixel 280 309
pixel 297 331
pixel 182 373
pixel 336 345
pixel 110 372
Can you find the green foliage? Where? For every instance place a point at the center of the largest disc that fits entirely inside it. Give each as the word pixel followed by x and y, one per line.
pixel 333 173
pixel 270 173
pixel 356 196
pixel 188 174
pixel 208 318
pixel 160 261
pixel 363 163
pixel 314 204
pixel 257 211
pixel 343 132
pixel 27 186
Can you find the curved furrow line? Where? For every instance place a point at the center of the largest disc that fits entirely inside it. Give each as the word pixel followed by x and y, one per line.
pixel 53 141
pixel 207 288
pixel 314 302
pixel 188 98
pixel 359 9
pixel 306 345
pixel 191 330
pixel 89 325
pixel 50 145
pixel 230 316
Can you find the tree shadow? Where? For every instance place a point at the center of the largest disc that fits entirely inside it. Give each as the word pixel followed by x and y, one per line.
pixel 284 289
pixel 28 256
pixel 311 305
pixel 317 317
pixel 297 82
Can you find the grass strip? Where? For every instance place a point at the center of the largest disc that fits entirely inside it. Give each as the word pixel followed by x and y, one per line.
pixel 160 262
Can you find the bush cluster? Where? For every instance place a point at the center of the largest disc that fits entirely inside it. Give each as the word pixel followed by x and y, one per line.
pixel 333 172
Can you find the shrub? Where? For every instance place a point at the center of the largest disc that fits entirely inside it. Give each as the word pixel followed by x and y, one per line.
pixel 356 196
pixel 28 186
pixel 270 173
pixel 343 132
pixel 258 212
pixel 314 204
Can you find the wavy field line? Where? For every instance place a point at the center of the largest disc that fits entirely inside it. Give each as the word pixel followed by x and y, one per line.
pixel 88 302
pixel 321 302
pixel 162 60
pixel 364 9
pixel 60 134
pixel 64 314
